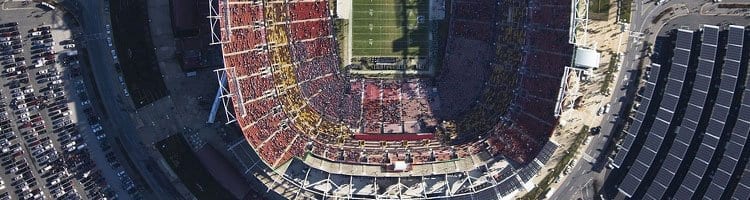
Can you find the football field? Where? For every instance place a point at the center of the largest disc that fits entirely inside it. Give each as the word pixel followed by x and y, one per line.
pixel 390 28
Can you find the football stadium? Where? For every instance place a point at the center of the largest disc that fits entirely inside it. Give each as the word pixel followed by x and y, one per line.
pixel 479 128
pixel 375 99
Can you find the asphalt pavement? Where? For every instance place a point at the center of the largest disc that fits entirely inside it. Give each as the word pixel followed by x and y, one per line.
pixel 586 172
pixel 116 120
pixel 591 170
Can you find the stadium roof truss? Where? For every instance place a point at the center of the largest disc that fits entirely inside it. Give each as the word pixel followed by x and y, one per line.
pixel 578 19
pixel 463 183
pixel 225 95
pixel 485 181
pixel 563 92
pixel 215 18
pixel 450 185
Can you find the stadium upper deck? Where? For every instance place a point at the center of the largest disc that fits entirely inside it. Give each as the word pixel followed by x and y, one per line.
pixel 290 98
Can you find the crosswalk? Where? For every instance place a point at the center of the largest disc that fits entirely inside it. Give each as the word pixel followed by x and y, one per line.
pixel 587 157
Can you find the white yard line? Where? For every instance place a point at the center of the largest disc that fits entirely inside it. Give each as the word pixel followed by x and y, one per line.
pixel 344 9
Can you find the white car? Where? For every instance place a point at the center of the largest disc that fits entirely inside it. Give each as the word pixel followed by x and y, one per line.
pixel 96 128
pixel 606 108
pixel 55 182
pixel 61 93
pixel 109 41
pixel 69 46
pixel 87 102
pixel 101 137
pixel 126 92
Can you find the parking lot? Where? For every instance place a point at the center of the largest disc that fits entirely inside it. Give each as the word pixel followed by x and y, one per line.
pixel 49 133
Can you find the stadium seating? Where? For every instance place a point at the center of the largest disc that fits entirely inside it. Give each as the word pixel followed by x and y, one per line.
pixel 499 78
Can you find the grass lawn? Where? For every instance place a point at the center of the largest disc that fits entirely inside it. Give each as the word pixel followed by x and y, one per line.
pixel 609 74
pixel 599 6
pixel 625 9
pixel 390 28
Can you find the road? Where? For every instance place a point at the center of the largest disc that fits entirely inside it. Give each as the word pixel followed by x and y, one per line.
pixel 117 121
pixel 590 171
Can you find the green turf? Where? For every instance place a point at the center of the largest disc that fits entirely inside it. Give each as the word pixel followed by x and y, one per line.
pixel 599 6
pixel 625 9
pixel 389 28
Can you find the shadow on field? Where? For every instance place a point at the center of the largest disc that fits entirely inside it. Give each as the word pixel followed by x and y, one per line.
pixel 409 33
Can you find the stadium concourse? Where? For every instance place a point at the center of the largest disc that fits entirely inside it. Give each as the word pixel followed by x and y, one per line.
pixel 499 82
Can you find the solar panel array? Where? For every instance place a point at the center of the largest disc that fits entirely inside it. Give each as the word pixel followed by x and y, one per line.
pixel 743 187
pixel 509 185
pixel 529 171
pixel 714 168
pixel 664 115
pixel 546 153
pixel 692 115
pixel 640 114
pixel 716 126
pixel 738 137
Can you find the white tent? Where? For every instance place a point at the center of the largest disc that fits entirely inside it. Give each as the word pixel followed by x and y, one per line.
pixel 400 166
pixel 587 58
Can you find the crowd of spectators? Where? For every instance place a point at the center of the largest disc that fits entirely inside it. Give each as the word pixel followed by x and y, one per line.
pixel 538 62
pixel 320 48
pixel 244 14
pixel 519 125
pixel 547 52
pixel 308 10
pixel 554 16
pixel 540 86
pixel 548 40
pixel 281 83
pixel 295 99
pixel 474 10
pixel 310 29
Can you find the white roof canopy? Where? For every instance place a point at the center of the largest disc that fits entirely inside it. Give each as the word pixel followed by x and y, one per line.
pixel 400 166
pixel 587 58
